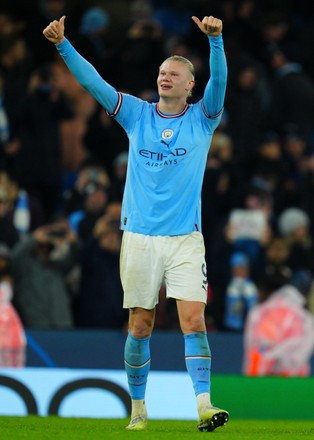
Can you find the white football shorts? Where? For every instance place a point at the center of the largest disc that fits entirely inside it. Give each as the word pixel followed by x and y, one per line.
pixel 147 261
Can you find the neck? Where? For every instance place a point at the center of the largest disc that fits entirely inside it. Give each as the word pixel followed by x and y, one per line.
pixel 171 106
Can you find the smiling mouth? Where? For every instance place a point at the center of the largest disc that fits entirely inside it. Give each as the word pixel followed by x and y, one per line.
pixel 165 87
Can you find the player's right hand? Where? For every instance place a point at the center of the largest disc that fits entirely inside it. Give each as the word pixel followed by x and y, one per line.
pixel 54 32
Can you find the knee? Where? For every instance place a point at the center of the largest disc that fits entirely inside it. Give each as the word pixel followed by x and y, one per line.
pixel 141 325
pixel 140 329
pixel 193 324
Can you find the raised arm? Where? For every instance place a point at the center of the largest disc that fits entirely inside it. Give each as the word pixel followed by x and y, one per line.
pixel 83 71
pixel 215 90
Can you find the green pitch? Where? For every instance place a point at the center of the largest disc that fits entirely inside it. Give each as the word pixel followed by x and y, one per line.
pixel 57 428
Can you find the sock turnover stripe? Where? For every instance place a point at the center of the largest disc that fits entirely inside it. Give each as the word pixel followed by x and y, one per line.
pixel 197 357
pixel 137 366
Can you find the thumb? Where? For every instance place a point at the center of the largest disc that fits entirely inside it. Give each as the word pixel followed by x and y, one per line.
pixel 61 21
pixel 196 20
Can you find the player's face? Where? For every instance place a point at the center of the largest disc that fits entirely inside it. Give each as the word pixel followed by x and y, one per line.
pixel 174 80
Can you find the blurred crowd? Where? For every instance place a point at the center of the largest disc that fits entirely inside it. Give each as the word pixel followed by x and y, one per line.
pixel 63 159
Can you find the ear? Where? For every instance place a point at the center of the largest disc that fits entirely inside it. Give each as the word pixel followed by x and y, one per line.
pixel 190 85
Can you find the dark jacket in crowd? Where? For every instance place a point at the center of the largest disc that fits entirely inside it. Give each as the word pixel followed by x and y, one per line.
pixel 101 295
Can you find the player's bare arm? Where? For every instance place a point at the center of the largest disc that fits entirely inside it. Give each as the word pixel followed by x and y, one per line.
pixel 210 26
pixel 54 32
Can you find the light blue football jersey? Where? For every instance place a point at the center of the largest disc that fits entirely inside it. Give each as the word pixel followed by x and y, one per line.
pixel 167 153
pixel 167 158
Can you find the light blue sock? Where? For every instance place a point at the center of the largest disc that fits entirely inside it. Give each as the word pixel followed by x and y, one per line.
pixel 198 361
pixel 137 364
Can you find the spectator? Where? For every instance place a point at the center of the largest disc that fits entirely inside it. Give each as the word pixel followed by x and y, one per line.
pixel 276 258
pixel 9 25
pixel 296 153
pixel 104 140
pixel 264 165
pixel 39 266
pixel 247 101
pixel 95 204
pixel 72 131
pixel 292 97
pixel 38 161
pixel 274 28
pixel 241 294
pixel 294 225
pixel 222 180
pixel 16 67
pixel 89 174
pixel 279 333
pixel 91 36
pixel 100 298
pixel 12 335
pixel 249 229
pixel 266 168
pixel 36 212
pixel 94 197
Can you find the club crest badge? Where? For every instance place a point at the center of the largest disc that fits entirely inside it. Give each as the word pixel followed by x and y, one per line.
pixel 167 134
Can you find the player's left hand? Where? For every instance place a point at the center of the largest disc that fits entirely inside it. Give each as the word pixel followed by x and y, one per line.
pixel 54 32
pixel 209 25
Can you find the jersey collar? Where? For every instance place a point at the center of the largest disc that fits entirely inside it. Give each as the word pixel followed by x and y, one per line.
pixel 177 115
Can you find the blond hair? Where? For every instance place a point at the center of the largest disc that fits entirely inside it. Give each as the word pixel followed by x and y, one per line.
pixel 183 60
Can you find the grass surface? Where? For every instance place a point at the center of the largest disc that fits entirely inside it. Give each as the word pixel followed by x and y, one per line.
pixel 58 428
